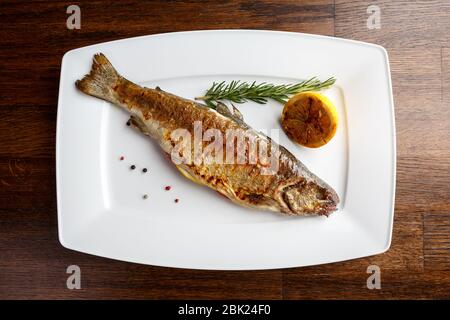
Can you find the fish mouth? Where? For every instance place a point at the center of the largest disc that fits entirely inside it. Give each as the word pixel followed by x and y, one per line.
pixel 327 208
pixel 329 204
pixel 308 198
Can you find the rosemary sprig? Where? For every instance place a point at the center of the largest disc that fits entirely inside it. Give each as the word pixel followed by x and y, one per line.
pixel 240 92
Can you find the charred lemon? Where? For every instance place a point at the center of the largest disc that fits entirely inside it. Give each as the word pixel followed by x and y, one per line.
pixel 309 119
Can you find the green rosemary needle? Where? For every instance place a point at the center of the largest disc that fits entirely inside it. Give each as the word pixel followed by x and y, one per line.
pixel 240 92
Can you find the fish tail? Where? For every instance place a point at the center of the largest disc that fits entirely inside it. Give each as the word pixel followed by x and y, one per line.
pixel 102 79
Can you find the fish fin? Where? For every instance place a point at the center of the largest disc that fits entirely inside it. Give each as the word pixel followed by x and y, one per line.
pixel 223 109
pixel 137 123
pixel 187 175
pixel 237 114
pixel 101 80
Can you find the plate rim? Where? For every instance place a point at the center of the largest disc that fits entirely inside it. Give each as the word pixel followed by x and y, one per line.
pixel 180 33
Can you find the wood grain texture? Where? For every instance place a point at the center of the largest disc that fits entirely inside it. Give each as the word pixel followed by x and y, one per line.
pixel 404 23
pixel 33 39
pixel 336 282
pixel 445 76
pixel 40 26
pixel 28 132
pixel 437 240
pixel 27 184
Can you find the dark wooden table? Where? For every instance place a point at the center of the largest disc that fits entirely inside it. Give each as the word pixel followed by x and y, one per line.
pixel 34 38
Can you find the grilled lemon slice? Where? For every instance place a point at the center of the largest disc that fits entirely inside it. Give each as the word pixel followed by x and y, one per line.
pixel 309 119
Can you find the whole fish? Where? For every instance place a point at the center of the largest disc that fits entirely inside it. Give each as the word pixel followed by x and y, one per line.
pixel 288 187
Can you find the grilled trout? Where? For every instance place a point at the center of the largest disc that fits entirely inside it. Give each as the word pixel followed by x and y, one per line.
pixel 288 187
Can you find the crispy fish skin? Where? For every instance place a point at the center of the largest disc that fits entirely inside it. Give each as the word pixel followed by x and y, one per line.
pixel 292 189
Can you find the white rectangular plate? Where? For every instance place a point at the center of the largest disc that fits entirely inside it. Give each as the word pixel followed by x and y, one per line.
pixel 100 205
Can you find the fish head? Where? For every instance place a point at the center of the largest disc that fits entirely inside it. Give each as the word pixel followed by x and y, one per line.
pixel 308 198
